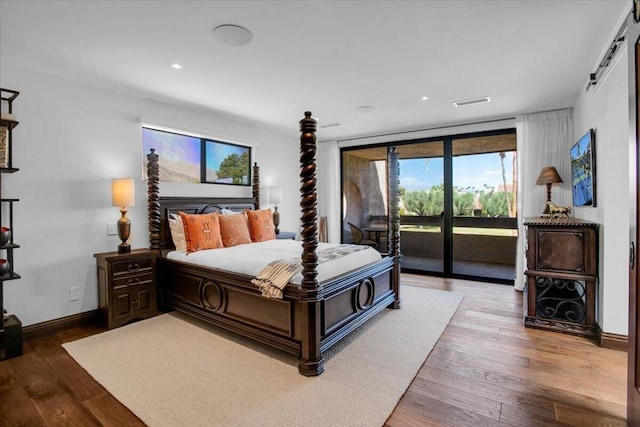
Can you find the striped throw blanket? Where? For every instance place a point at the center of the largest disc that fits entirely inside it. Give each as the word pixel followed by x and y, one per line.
pixel 275 276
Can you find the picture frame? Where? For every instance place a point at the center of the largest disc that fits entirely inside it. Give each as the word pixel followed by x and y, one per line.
pixel 4 147
pixel 583 170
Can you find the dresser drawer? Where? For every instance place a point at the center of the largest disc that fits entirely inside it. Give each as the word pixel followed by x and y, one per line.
pixel 132 266
pixel 132 280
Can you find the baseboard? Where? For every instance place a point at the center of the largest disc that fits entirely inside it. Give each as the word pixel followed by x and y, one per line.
pixel 51 327
pixel 612 341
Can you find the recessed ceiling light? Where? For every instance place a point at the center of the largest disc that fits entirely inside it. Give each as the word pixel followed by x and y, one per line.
pixel 364 109
pixel 232 35
pixel 424 98
pixel 176 66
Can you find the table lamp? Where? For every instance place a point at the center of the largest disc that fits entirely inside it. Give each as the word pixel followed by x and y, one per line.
pixel 549 176
pixel 123 194
pixel 274 195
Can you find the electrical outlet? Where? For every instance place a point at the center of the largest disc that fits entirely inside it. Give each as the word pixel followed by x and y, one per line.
pixel 74 294
pixel 111 229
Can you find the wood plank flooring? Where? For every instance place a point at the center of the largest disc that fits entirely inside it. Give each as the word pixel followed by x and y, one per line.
pixel 486 370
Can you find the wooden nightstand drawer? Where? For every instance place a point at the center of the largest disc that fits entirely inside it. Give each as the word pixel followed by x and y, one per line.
pixel 132 266
pixel 123 282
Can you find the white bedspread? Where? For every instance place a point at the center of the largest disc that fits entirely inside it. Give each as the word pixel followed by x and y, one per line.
pixel 251 258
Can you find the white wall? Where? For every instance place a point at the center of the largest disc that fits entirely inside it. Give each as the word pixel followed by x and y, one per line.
pixel 605 108
pixel 71 141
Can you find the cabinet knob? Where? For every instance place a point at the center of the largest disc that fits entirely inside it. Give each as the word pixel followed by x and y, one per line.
pixel 133 281
pixel 133 267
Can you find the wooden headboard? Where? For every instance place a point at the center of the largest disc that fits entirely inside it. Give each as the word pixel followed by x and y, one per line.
pixel 196 205
pixel 161 207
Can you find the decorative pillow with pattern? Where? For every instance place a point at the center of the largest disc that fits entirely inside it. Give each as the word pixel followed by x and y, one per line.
pixel 234 230
pixel 201 231
pixel 261 225
pixel 177 232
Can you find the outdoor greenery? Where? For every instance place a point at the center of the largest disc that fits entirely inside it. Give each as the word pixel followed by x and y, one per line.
pixel 235 167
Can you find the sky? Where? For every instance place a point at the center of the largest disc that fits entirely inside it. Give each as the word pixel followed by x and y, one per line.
pixel 468 171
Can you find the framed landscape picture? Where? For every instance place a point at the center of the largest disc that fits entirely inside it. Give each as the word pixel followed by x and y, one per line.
pixel 583 170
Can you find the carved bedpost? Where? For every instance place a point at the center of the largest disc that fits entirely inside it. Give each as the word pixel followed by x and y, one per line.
pixel 393 185
pixel 256 186
pixel 153 200
pixel 311 360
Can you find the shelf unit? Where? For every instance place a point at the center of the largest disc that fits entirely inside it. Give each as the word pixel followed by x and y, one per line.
pixel 10 327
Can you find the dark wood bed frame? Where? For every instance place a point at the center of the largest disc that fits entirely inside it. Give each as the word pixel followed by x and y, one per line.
pixel 312 316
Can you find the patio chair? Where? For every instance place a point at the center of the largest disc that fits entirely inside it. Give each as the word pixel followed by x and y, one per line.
pixel 357 237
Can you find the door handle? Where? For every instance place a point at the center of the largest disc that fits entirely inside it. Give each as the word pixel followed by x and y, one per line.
pixel 442 216
pixel 632 255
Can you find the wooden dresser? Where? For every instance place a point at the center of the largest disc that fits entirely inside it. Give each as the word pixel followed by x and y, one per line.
pixel 562 275
pixel 127 286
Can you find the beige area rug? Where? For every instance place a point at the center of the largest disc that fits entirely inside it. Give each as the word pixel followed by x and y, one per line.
pixel 171 370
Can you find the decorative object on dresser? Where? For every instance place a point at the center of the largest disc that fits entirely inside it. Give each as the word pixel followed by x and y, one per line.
pixel 274 196
pixel 548 176
pixel 126 286
pixel 10 326
pixel 562 276
pixel 123 194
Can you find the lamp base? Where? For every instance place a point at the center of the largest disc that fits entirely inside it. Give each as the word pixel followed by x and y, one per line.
pixel 124 248
pixel 276 220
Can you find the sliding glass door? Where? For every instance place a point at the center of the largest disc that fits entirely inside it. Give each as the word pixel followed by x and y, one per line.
pixel 458 202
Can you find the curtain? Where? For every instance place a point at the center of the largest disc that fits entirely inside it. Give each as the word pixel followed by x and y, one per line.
pixel 328 176
pixel 544 139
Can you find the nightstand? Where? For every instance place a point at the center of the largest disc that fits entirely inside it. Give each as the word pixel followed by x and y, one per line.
pixel 286 235
pixel 126 286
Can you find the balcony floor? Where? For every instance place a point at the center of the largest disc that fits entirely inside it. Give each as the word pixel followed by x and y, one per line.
pixel 467 268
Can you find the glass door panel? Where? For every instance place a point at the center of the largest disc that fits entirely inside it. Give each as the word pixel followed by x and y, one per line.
pixel 484 196
pixel 422 205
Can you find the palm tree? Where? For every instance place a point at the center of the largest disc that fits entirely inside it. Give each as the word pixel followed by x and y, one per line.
pixel 504 184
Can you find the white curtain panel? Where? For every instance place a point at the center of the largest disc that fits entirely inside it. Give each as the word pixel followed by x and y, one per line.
pixel 329 197
pixel 544 139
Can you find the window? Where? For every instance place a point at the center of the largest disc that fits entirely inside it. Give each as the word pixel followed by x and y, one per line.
pixel 192 159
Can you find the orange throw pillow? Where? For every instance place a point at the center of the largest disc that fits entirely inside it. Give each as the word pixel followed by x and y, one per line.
pixel 234 230
pixel 261 225
pixel 201 231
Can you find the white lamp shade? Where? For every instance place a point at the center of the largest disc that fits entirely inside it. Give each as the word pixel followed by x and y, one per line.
pixel 274 195
pixel 123 192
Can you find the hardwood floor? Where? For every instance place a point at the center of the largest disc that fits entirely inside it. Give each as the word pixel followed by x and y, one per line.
pixel 485 370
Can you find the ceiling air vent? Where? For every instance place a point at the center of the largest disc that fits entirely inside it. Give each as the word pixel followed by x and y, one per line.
pixel 472 101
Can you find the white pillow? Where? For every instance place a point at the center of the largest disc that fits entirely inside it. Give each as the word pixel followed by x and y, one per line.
pixel 177 233
pixel 225 211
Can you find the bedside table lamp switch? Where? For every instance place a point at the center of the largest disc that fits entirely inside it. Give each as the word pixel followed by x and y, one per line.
pixel 123 195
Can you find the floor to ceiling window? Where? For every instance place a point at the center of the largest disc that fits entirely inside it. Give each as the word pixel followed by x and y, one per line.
pixel 458 203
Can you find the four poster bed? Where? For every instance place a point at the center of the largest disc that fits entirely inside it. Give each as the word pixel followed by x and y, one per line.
pixel 312 314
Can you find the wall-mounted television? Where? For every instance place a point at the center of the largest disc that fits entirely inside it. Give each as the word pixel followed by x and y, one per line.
pixel 583 170
pixel 187 158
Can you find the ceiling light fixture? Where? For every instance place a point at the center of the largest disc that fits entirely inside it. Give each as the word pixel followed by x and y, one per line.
pixel 176 66
pixel 424 98
pixel 232 35
pixel 480 100
pixel 364 109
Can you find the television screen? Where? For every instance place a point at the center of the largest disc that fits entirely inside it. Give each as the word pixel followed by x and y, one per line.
pixel 583 170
